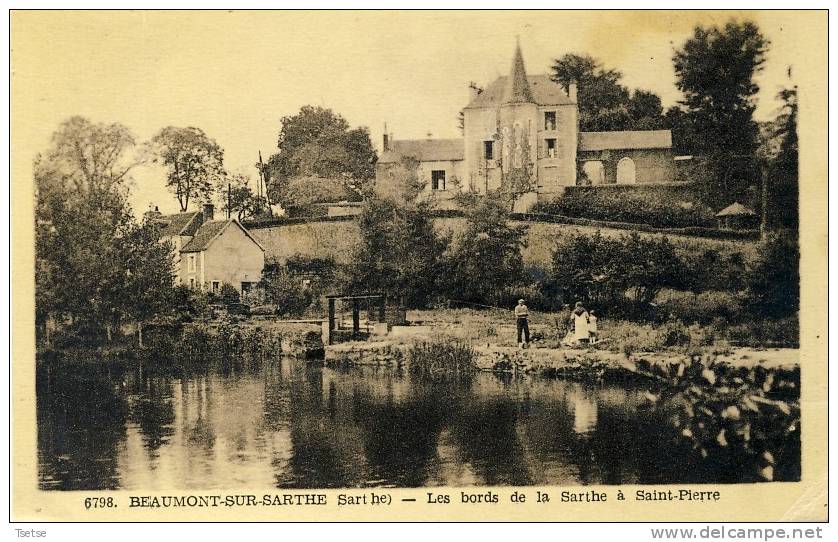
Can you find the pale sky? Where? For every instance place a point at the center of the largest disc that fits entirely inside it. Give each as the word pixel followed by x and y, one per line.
pixel 235 74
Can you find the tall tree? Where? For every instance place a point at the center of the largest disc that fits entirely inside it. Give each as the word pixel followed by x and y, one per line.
pixel 92 159
pixel 400 252
pixel 715 70
pixel 604 103
pixel 487 258
pixel 88 254
pixel 517 177
pixel 779 154
pixel 194 163
pixel 318 142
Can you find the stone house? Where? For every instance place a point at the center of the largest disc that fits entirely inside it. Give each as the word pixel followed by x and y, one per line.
pixel 529 119
pixel 210 252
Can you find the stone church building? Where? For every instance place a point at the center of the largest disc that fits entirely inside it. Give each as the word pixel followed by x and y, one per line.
pixel 529 120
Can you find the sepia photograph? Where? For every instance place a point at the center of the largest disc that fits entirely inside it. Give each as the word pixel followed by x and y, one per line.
pixel 389 250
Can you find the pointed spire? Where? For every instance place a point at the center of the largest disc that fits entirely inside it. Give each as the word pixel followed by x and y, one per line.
pixel 517 87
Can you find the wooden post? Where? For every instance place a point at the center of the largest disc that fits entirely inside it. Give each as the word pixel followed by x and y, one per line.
pixel 330 324
pixel 356 318
pixel 382 316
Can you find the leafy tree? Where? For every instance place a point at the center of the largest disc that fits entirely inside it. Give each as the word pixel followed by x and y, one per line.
pixel 599 269
pixel 605 104
pixel 648 265
pixel 401 181
pixel 587 268
pixel 318 142
pixel 149 266
pixel 285 289
pixel 779 154
pixel 773 278
pixel 400 253
pixel 486 259
pixel 86 157
pixel 94 264
pixel 239 200
pixel 646 111
pixel 715 70
pixel 194 163
pixel 303 191
pixel 517 178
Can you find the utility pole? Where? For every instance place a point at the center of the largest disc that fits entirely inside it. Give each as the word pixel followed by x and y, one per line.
pixel 228 201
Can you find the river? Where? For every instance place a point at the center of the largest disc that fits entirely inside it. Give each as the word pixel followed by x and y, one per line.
pixel 297 425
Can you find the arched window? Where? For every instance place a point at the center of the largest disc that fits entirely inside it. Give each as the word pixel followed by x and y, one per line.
pixel 594 171
pixel 625 171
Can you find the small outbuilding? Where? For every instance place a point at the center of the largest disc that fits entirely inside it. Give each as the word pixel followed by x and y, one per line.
pixel 736 217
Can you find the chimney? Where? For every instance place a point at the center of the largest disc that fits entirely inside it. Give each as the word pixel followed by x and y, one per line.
pixel 153 213
pixel 571 91
pixel 474 90
pixel 209 212
pixel 386 139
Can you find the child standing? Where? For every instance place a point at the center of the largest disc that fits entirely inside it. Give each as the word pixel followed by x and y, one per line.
pixel 593 328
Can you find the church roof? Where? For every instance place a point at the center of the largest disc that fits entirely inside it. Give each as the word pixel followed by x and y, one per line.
pixel 424 150
pixel 517 88
pixel 542 89
pixel 641 139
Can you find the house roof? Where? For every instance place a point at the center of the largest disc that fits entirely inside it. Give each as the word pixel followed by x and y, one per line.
pixel 178 224
pixel 541 88
pixel 424 150
pixel 645 139
pixel 210 231
pixel 736 209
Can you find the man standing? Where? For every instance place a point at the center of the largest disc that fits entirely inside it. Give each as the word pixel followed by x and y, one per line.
pixel 521 314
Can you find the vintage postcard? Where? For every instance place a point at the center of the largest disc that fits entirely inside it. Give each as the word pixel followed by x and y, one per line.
pixel 430 265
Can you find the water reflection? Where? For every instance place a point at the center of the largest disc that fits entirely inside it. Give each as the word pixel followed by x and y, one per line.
pixel 294 424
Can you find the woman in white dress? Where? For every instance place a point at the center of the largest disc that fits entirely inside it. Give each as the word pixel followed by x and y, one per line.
pixel 580 320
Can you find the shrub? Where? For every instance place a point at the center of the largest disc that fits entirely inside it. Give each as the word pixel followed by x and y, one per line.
pixel 229 294
pixel 659 206
pixel 773 278
pixel 286 290
pixel 703 308
pixel 594 268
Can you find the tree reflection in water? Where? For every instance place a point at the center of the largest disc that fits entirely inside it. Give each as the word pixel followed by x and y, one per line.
pixel 295 424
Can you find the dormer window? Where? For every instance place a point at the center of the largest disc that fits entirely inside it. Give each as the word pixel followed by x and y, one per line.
pixel 550 120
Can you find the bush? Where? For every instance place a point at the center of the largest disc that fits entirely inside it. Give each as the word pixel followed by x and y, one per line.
pixel 773 278
pixel 659 206
pixel 782 333
pixel 703 308
pixel 598 269
pixel 286 290
pixel 229 294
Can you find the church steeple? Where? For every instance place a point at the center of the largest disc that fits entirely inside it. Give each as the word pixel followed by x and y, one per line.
pixel 517 88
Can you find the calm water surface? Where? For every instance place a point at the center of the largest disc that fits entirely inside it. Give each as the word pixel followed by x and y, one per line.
pixel 301 426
